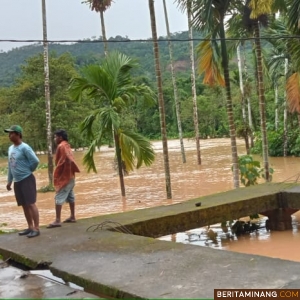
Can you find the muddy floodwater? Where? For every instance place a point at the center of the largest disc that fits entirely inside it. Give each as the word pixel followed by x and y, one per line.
pixel 99 194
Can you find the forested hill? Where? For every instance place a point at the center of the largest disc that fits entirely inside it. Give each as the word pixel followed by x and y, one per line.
pixel 92 51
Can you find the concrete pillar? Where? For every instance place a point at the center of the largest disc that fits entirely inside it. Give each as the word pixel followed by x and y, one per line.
pixel 279 219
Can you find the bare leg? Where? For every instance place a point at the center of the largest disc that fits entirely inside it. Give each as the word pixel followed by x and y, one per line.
pixel 28 216
pixel 57 222
pixel 58 214
pixel 35 215
pixel 72 210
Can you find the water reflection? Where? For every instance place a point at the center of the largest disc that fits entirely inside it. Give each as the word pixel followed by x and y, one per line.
pixel 12 284
pixel 277 244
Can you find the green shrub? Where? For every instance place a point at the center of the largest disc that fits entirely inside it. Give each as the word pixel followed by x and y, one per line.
pixel 250 170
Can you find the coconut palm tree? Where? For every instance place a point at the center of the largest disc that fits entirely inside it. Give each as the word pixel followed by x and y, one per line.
pixel 239 35
pixel 234 31
pixel 176 98
pixel 209 18
pixel 110 86
pixel 193 78
pixel 100 6
pixel 293 82
pixel 256 12
pixel 254 16
pixel 47 96
pixel 161 103
pixel 186 6
pixel 285 57
pixel 279 64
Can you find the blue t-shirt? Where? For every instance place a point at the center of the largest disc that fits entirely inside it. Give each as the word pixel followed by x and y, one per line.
pixel 22 161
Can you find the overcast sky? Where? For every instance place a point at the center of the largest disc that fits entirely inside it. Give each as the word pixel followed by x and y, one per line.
pixel 69 19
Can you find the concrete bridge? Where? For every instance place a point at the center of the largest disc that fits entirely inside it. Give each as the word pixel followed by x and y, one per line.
pixel 276 201
pixel 90 253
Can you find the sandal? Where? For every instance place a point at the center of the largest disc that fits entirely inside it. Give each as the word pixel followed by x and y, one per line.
pixel 53 225
pixel 69 220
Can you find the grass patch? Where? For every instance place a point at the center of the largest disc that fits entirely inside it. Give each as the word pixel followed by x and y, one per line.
pixel 46 189
pixel 2 231
pixel 3 171
pixel 42 166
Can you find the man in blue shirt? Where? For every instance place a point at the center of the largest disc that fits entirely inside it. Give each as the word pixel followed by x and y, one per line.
pixel 22 161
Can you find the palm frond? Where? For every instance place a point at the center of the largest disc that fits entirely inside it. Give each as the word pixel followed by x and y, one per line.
pixel 136 150
pixel 260 7
pixel 133 93
pixel 119 103
pixel 294 50
pixel 118 65
pixel 279 5
pixel 98 5
pixel 95 83
pixel 182 4
pixel 87 126
pixel 109 118
pixel 266 73
pixel 209 63
pixel 88 158
pixel 146 94
pixel 276 65
pixel 205 16
pixel 294 15
pixel 293 92
pixel 76 88
pixel 236 30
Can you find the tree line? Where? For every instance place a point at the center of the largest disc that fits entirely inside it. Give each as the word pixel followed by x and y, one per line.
pixel 247 83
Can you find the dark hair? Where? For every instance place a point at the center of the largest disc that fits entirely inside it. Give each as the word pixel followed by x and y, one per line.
pixel 62 133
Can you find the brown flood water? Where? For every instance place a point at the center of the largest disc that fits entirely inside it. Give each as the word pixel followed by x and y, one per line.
pixel 99 194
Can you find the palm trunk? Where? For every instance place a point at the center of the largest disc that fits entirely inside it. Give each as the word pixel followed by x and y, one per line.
pixel 238 52
pixel 120 166
pixel 193 78
pixel 276 106
pixel 176 98
pixel 248 100
pixel 234 153
pixel 103 32
pixel 160 100
pixel 285 130
pixel 104 39
pixel 250 122
pixel 262 101
pixel 47 96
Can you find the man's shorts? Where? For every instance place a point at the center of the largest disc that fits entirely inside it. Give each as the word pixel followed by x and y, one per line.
pixel 66 194
pixel 25 191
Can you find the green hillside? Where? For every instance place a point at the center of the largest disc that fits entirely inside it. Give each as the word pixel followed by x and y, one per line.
pixel 90 51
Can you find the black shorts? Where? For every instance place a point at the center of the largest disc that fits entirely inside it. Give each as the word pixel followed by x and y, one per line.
pixel 25 191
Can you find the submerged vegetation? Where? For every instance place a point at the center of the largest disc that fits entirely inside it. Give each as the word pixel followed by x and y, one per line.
pixel 4 230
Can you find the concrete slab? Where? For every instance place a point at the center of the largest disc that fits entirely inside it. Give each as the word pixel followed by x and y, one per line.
pixel 122 265
pixel 125 266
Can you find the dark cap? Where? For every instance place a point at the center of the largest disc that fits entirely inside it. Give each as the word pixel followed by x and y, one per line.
pixel 14 128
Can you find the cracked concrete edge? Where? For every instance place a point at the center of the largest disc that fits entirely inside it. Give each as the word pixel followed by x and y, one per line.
pixel 19 258
pixel 93 287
